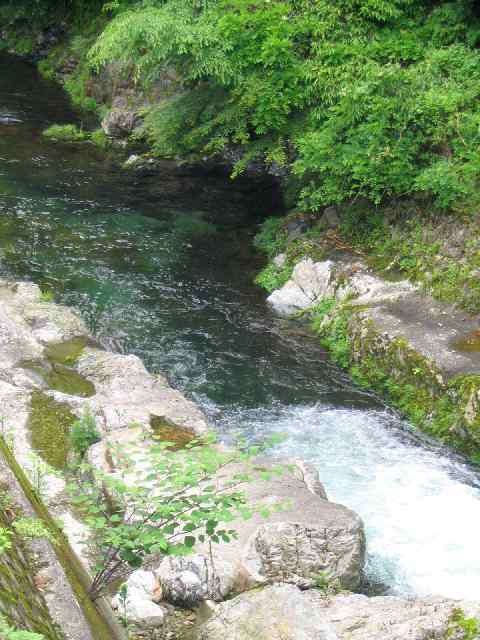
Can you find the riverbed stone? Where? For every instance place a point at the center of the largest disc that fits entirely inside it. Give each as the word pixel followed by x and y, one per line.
pixel 137 605
pixel 310 283
pixel 188 580
pixel 283 612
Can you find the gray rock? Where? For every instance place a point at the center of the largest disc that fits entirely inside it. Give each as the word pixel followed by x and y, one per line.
pixel 119 123
pixel 187 581
pixel 295 553
pixel 308 536
pixel 310 283
pixel 282 612
pixel 138 606
pixel 330 217
pixel 278 549
pixel 127 393
pixel 141 612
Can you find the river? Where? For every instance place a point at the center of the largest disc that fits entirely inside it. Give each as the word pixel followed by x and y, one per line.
pixel 160 266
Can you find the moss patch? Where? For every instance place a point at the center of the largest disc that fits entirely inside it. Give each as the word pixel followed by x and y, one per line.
pixel 67 352
pixel 68 381
pixel 61 378
pixel 169 432
pixel 469 343
pixel 49 424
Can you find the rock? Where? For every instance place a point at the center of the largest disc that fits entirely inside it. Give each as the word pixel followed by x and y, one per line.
pixel 280 612
pixel 138 606
pixel 310 283
pixel 309 475
pixel 47 323
pixel 142 613
pixel 283 612
pixel 187 581
pixel 119 123
pixel 279 261
pixel 127 393
pixel 295 553
pixel 142 582
pixel 296 229
pixel 330 217
pixel 308 536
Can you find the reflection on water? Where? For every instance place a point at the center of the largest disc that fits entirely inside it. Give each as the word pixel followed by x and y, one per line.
pixel 160 266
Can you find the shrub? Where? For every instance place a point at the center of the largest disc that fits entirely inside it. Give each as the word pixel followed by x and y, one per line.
pixel 10 633
pixel 65 133
pixel 163 501
pixel 84 433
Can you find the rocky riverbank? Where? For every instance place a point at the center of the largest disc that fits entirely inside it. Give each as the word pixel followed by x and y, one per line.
pixel 392 335
pixel 292 564
pixel 53 373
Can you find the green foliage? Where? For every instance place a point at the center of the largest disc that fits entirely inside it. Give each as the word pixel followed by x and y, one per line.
pixel 162 501
pixel 10 633
pixel 419 248
pixel 99 139
pixel 5 540
pixel 271 239
pixel 324 583
pixel 65 133
pixel 273 277
pixel 47 296
pixel 377 98
pixel 459 626
pixel 83 433
pixel 32 528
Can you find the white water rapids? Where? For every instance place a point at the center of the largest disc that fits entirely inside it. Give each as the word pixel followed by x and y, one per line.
pixel 420 508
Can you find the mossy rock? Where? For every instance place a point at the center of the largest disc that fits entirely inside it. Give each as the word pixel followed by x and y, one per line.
pixel 169 432
pixel 68 381
pixel 49 424
pixel 67 352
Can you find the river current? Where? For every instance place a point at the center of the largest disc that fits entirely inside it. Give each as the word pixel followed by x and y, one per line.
pixel 160 266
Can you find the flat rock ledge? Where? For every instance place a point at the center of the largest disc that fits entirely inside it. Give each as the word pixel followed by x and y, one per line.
pixel 283 612
pixel 412 338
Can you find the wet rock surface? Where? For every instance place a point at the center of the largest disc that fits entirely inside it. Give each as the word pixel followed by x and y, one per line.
pixel 396 308
pixel 283 612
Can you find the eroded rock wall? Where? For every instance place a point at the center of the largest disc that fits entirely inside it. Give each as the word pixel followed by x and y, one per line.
pixel 395 339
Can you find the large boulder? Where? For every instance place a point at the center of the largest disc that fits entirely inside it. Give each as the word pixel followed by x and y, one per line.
pixel 310 283
pixel 304 538
pixel 300 554
pixel 308 538
pixel 283 612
